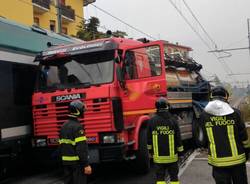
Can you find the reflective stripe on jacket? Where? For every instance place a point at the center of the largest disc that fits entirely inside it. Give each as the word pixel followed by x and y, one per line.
pixel 225 136
pixel 73 145
pixel 164 138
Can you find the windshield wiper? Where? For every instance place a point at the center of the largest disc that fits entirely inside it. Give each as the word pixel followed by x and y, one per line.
pixel 82 85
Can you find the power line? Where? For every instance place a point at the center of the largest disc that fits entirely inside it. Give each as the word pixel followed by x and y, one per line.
pixel 120 20
pixel 240 74
pixel 208 46
pixel 190 25
pixel 223 50
pixel 202 27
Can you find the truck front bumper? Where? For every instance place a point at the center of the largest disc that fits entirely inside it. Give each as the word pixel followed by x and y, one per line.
pixel 106 153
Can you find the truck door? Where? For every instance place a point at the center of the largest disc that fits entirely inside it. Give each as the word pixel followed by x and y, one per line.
pixel 144 78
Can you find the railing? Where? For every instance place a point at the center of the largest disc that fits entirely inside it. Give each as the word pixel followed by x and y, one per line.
pixel 68 12
pixel 42 3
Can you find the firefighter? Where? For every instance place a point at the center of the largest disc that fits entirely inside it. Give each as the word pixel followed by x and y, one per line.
pixel 164 142
pixel 73 146
pixel 226 139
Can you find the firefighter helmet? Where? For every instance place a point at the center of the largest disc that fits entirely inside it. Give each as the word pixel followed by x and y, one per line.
pixel 76 108
pixel 162 104
pixel 219 92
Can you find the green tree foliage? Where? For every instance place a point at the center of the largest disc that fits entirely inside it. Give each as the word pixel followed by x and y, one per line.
pixel 119 34
pixel 88 30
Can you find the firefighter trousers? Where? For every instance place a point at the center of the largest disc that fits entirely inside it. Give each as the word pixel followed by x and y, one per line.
pixel 73 174
pixel 230 175
pixel 171 168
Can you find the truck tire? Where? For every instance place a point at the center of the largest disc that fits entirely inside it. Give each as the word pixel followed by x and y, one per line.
pixel 142 162
pixel 198 134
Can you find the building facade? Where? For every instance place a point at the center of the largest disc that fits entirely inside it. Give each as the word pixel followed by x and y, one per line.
pixel 44 13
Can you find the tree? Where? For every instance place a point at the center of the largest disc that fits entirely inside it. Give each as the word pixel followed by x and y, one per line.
pixel 82 33
pixel 92 28
pixel 88 30
pixel 118 33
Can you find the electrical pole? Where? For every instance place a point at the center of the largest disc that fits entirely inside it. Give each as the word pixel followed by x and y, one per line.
pixel 240 48
pixel 248 26
pixel 59 16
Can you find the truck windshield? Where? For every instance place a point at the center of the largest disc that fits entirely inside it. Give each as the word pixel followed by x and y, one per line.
pixel 79 71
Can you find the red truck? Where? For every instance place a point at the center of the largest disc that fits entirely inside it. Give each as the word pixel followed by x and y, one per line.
pixel 119 80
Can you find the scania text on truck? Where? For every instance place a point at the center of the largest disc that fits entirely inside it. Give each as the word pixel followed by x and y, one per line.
pixel 119 80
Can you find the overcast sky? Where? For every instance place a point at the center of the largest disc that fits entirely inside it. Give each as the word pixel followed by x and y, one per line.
pixel 224 20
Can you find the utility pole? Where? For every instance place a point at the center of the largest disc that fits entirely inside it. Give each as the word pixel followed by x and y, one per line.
pixel 248 26
pixel 59 16
pixel 239 48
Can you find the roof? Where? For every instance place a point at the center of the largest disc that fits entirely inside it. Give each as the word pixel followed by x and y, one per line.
pixel 17 37
pixel 177 45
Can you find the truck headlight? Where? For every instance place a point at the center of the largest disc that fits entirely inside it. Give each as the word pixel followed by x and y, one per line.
pixel 41 142
pixel 108 139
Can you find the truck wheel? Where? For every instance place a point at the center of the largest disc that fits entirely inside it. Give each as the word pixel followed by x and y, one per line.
pixel 198 134
pixel 142 162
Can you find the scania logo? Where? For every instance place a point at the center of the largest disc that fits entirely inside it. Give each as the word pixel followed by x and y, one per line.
pixel 67 97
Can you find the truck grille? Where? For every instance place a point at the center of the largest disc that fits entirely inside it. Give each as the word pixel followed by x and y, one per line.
pixel 48 118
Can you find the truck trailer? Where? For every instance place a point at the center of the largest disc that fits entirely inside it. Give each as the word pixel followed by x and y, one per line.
pixel 119 80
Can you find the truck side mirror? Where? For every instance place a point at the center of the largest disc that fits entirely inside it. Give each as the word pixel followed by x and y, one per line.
pixel 120 76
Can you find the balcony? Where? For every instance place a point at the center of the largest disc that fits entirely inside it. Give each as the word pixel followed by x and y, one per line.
pixel 41 6
pixel 68 14
pixel 87 2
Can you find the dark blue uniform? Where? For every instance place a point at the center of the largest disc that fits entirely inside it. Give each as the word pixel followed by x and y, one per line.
pixel 165 142
pixel 74 151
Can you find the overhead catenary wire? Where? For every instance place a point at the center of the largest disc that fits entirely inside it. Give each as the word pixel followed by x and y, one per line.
pixel 190 25
pixel 202 27
pixel 225 67
pixel 122 21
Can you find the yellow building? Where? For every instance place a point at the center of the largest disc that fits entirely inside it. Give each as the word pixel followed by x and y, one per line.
pixel 44 13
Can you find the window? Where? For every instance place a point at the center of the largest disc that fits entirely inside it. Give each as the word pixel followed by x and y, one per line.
pixel 36 21
pixel 52 25
pixel 142 62
pixel 85 69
